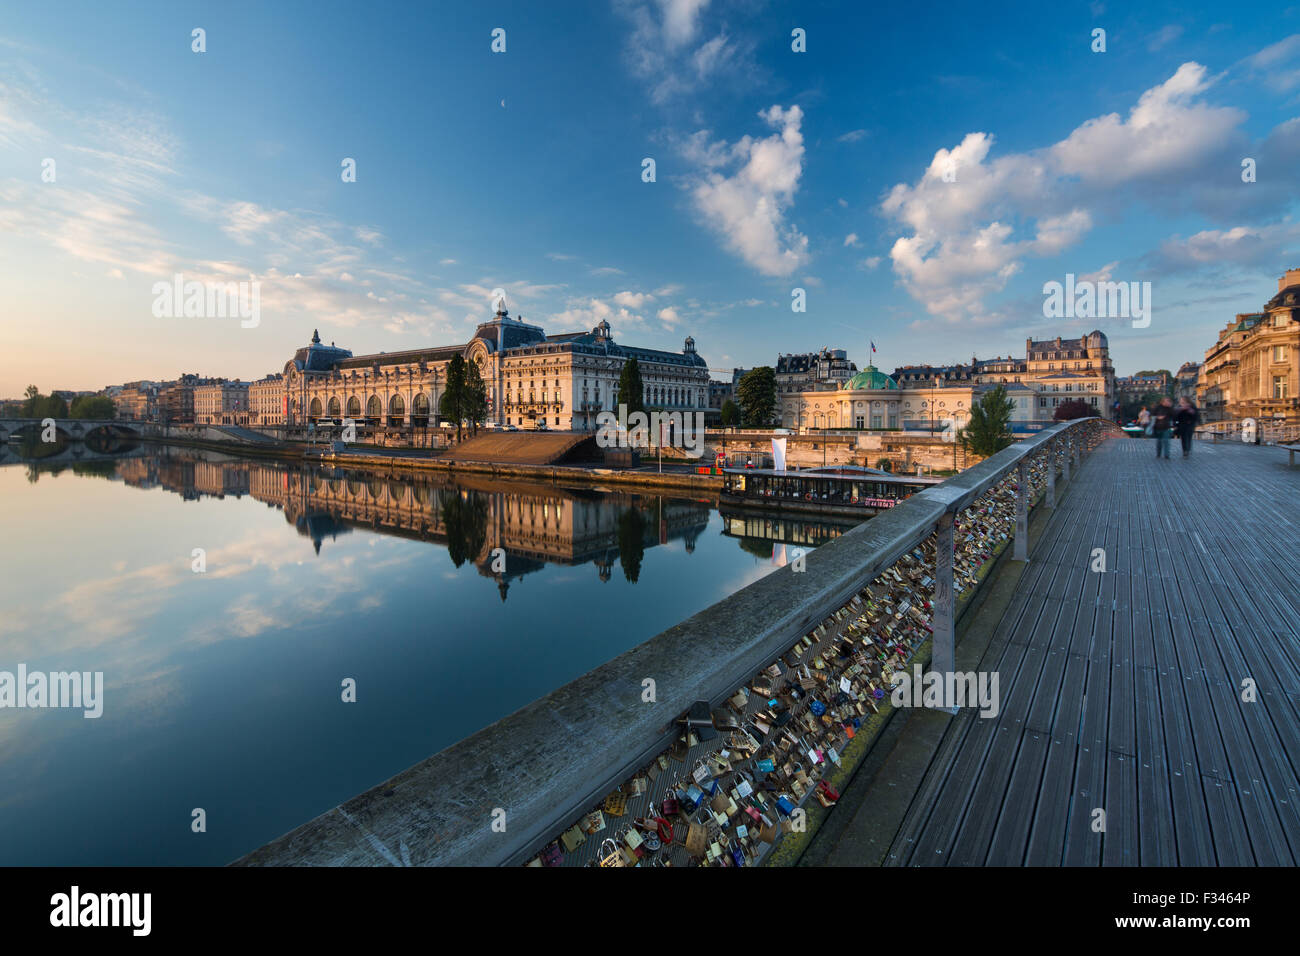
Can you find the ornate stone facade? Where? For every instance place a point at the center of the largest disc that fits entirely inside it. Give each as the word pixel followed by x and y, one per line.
pixel 1253 370
pixel 556 381
pixel 1054 371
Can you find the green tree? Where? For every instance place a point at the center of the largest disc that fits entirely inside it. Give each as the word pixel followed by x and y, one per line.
pixel 475 404
pixel 730 414
pixel 97 407
pixel 37 405
pixel 757 396
pixel 885 465
pixel 988 430
pixel 630 390
pixel 452 403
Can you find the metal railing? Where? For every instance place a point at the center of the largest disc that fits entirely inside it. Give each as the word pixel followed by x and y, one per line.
pixel 550 761
pixel 1268 432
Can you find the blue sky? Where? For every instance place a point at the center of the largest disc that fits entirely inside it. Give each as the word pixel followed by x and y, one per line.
pixel 523 170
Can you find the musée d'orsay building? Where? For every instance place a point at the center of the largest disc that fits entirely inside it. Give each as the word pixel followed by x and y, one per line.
pixel 557 381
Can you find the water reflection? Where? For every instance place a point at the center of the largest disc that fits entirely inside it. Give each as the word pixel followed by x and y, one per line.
pixel 222 688
pixel 505 529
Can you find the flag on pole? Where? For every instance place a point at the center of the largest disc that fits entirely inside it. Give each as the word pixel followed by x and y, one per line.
pixel 873 347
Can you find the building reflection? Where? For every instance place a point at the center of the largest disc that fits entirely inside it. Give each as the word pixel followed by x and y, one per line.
pixel 505 529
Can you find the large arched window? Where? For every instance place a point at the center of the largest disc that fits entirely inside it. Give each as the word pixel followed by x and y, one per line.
pixel 334 408
pixel 314 412
pixel 374 408
pixel 420 410
pixel 396 410
pixel 354 407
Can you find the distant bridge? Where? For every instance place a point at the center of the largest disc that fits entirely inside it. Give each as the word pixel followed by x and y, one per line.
pixel 73 429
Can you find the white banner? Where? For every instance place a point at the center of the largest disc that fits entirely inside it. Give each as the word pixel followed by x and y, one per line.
pixel 778 454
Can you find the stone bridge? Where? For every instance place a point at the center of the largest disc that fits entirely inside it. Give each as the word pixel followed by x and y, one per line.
pixel 73 429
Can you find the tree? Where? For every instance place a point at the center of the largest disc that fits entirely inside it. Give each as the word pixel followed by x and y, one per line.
pixel 452 403
pixel 93 406
pixel 988 430
pixel 1129 408
pixel 730 414
pixel 757 396
pixel 1077 408
pixel 885 465
pixel 37 405
pixel 475 404
pixel 630 390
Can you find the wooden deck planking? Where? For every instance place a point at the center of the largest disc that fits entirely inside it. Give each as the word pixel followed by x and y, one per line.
pixel 1122 691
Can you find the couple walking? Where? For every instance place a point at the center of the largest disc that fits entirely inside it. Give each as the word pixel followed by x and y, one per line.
pixel 1164 420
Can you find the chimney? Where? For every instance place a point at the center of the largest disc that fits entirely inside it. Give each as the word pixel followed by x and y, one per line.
pixel 1291 278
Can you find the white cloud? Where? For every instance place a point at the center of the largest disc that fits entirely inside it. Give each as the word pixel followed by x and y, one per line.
pixel 1278 64
pixel 852 136
pixel 748 207
pixel 1247 246
pixel 851 239
pixel 632 300
pixel 664 48
pixel 669 316
pixel 965 239
pixel 1163 37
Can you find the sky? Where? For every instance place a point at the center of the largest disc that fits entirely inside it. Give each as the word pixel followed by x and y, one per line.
pixel 919 172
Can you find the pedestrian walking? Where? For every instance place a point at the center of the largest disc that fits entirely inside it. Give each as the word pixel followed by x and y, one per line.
pixel 1162 425
pixel 1185 419
pixel 1144 422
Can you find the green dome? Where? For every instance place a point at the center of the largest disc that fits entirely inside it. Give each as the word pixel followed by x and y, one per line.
pixel 870 378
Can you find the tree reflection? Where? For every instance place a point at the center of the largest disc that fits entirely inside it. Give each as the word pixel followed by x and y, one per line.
pixel 465 521
pixel 631 542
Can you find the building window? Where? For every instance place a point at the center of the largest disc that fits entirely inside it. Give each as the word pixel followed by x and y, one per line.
pixel 1042 403
pixel 1279 386
pixel 1279 353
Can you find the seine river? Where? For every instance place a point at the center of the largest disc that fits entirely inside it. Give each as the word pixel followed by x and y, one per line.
pixel 227 601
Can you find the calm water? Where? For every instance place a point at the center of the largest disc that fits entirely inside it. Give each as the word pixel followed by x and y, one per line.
pixel 222 689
